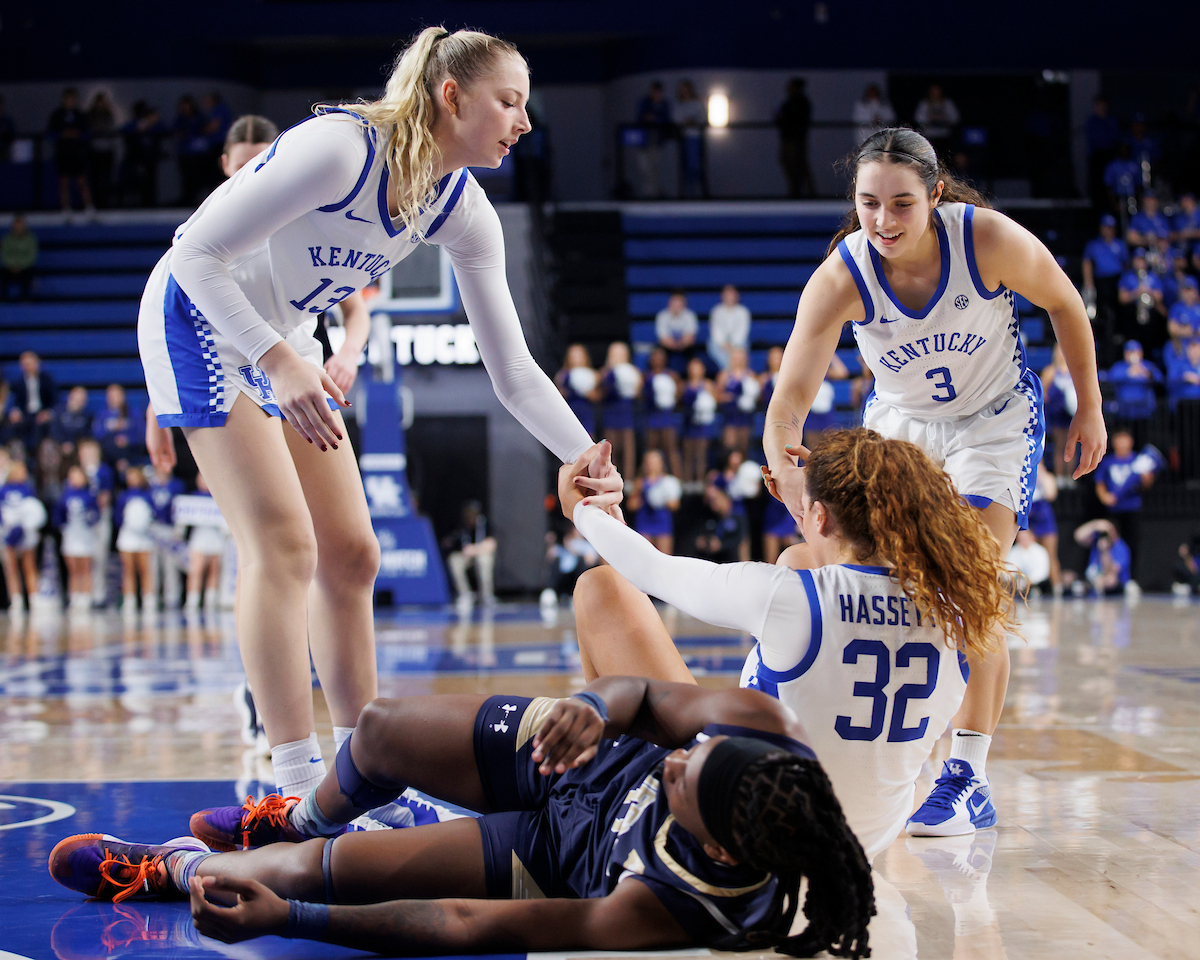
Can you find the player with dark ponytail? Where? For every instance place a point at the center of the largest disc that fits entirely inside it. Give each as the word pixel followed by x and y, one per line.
pixel 905 144
pixel 928 277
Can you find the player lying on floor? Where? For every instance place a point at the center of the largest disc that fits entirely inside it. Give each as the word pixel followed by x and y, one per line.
pixel 637 814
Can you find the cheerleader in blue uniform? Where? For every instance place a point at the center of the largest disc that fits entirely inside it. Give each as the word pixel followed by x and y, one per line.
pixel 22 517
pixel 654 502
pixel 738 389
pixel 76 515
pixel 660 393
pixel 133 517
pixel 620 383
pixel 821 416
pixel 738 480
pixel 580 386
pixel 1061 403
pixel 699 405
pixel 1042 523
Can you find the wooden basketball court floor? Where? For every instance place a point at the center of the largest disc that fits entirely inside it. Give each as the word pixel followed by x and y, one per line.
pixel 127 727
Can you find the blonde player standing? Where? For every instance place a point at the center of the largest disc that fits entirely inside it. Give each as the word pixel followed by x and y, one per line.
pixel 249 136
pixel 224 334
pixel 928 277
pixel 867 647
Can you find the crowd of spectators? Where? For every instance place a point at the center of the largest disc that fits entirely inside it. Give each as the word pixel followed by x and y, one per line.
pixel 79 501
pixel 107 155
pixel 689 412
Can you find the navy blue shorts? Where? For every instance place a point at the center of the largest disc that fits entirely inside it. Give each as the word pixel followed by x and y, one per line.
pixel 517 854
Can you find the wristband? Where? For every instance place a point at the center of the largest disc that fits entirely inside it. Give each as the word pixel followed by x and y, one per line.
pixel 306 921
pixel 595 701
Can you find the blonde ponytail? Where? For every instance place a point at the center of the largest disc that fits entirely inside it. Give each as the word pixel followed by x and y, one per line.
pixel 404 115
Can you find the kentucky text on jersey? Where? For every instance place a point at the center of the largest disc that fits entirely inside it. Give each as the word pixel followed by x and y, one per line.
pixel 376 264
pixel 956 342
pixel 882 611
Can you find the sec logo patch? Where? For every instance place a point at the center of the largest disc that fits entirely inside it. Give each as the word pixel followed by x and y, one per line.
pixel 962 301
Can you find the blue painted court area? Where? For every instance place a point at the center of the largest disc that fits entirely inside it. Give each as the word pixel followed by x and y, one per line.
pixel 41 920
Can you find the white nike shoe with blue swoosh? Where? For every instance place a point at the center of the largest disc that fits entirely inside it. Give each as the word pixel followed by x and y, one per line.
pixel 960 803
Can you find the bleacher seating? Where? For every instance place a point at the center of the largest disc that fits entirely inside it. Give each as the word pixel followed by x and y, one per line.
pixel 83 320
pixel 768 256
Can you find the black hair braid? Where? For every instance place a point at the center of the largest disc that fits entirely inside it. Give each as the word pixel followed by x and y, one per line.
pixel 788 821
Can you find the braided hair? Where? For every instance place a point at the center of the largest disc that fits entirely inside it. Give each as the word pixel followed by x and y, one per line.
pixel 787 821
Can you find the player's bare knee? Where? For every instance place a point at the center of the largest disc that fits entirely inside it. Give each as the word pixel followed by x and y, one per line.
pixel 376 723
pixel 282 552
pixel 597 585
pixel 352 563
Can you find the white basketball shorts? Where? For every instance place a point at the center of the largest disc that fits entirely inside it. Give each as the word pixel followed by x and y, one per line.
pixel 992 456
pixel 193 374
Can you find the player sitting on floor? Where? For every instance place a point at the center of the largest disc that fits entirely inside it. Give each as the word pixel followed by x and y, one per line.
pixel 869 647
pixel 708 799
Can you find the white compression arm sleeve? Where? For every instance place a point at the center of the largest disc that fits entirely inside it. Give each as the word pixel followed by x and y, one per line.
pixel 766 601
pixel 526 392
pixel 315 164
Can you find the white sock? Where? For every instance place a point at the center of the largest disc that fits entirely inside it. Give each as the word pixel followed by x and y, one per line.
pixel 298 766
pixel 972 746
pixel 340 736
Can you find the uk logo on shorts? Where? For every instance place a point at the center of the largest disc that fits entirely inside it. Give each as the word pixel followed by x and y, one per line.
pixel 258 380
pixel 962 301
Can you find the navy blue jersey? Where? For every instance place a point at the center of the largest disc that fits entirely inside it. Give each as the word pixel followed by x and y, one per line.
pixel 589 829
pixel 609 820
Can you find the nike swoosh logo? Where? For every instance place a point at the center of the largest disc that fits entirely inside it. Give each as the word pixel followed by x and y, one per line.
pixel 350 216
pixel 884 320
pixel 1000 410
pixel 976 807
pixel 315 760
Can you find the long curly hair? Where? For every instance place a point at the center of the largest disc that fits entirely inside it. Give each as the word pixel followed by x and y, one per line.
pixel 405 113
pixel 888 498
pixel 905 147
pixel 787 821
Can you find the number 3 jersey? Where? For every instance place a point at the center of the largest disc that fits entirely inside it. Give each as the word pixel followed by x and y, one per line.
pixel 958 353
pixel 876 686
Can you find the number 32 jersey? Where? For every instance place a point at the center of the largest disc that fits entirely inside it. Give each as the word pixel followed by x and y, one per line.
pixel 875 688
pixel 958 353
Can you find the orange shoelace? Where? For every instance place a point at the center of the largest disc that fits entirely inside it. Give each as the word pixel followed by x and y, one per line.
pixel 273 809
pixel 141 877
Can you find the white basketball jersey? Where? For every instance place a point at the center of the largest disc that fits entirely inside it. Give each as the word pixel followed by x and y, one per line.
pixel 875 689
pixel 316 261
pixel 956 355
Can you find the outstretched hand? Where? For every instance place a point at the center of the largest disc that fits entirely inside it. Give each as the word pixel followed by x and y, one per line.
pixel 592 477
pixel 254 910
pixel 787 483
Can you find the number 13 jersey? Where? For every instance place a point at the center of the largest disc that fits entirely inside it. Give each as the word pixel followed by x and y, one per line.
pixel 958 353
pixel 292 233
pixel 875 688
